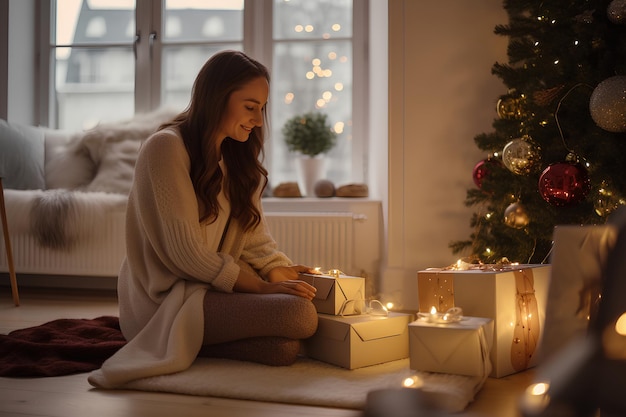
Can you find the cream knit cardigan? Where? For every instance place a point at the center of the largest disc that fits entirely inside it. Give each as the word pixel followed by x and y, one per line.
pixel 171 261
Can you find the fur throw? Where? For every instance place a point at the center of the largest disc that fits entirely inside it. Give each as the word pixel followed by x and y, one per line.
pixel 107 153
pixel 101 164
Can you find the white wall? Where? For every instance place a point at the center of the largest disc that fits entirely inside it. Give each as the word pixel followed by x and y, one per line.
pixel 441 94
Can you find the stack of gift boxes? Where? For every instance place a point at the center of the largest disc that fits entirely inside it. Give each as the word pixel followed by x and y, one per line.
pixel 352 333
pixel 483 320
pixel 512 299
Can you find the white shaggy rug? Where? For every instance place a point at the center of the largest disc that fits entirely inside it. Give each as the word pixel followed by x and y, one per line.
pixel 307 382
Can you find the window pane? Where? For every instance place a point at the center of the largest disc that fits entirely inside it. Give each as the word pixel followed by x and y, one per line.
pixel 181 65
pixel 193 31
pixel 203 20
pixel 311 76
pixel 306 19
pixel 95 21
pixel 94 85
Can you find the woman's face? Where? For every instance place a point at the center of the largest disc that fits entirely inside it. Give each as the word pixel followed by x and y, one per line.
pixel 245 110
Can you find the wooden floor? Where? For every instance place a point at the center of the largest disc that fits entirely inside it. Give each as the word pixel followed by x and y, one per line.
pixel 72 396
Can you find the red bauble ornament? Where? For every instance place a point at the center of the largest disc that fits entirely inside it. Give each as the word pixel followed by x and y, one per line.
pixel 564 184
pixel 482 170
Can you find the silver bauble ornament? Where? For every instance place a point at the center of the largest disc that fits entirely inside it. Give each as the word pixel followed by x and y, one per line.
pixel 608 104
pixel 521 156
pixel 616 11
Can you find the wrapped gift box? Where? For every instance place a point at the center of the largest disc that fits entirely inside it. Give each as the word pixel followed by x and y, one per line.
pixel 461 348
pixel 435 290
pixel 578 258
pixel 514 297
pixel 357 341
pixel 337 295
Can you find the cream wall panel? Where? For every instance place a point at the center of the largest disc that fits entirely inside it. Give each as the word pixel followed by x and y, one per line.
pixel 441 94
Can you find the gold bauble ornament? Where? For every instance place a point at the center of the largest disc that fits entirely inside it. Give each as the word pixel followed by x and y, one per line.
pixel 607 200
pixel 521 156
pixel 510 108
pixel 515 216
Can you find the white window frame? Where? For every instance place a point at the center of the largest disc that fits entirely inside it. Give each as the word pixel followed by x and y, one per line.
pixel 257 42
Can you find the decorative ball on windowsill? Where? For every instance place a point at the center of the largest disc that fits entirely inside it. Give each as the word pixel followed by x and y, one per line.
pixel 324 189
pixel 352 190
pixel 287 189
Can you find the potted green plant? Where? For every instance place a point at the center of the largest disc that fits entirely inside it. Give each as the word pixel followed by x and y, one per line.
pixel 311 136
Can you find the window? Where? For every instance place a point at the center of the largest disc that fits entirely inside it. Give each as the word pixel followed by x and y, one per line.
pixel 112 58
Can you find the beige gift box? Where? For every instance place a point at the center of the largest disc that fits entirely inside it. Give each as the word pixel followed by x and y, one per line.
pixel 515 298
pixel 460 348
pixel 335 293
pixel 357 341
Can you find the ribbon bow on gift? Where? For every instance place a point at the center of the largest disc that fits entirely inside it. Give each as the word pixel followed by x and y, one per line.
pixel 452 315
pixel 361 306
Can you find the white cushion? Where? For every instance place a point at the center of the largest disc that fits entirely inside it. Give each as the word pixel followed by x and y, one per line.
pixel 21 156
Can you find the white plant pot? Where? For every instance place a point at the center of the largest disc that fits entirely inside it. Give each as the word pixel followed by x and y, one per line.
pixel 310 170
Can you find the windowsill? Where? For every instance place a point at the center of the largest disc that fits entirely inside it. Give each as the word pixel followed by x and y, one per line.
pixel 314 204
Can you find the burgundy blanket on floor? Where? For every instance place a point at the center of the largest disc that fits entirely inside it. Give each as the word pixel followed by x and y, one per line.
pixel 60 347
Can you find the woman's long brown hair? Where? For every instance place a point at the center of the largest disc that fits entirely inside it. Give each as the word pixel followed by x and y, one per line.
pixel 224 73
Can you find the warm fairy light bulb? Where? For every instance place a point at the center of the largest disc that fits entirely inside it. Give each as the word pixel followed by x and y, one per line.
pixel 413 382
pixel 389 305
pixel 620 326
pixel 539 388
pixel 536 398
pixel 433 310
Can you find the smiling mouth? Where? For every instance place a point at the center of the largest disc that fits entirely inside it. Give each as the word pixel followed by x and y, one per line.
pixel 247 129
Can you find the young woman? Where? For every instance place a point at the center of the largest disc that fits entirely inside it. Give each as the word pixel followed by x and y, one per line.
pixel 202 274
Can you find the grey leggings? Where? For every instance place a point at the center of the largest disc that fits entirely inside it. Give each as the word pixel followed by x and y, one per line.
pixel 264 328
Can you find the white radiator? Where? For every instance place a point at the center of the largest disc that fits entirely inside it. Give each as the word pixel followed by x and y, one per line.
pixel 99 254
pixel 324 240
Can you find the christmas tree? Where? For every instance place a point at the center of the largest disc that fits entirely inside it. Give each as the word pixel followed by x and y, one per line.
pixel 557 154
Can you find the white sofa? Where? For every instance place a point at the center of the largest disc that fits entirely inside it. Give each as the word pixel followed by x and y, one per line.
pixel 66 193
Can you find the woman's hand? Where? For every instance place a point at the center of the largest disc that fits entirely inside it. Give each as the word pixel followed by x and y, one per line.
pixel 284 273
pixel 292 286
pixel 281 279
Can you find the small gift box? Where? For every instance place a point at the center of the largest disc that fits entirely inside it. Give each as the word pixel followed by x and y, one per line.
pixel 514 296
pixel 357 341
pixel 337 294
pixel 459 348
